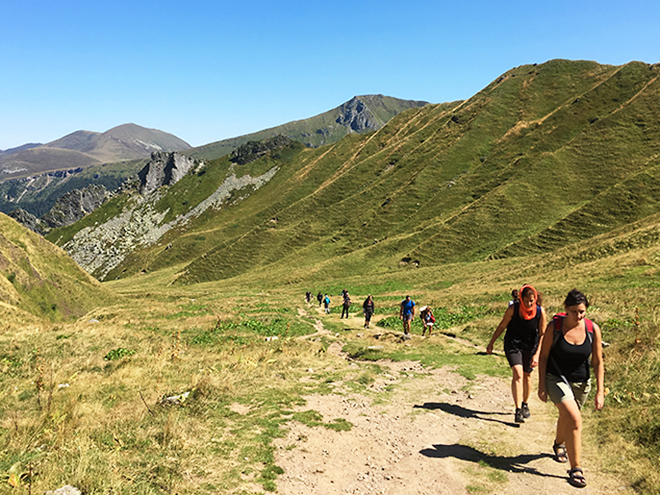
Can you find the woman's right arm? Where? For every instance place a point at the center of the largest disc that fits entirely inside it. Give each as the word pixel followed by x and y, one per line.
pixel 546 346
pixel 508 314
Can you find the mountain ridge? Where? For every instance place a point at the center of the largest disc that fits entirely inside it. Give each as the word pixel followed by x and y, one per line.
pixel 359 114
pixel 82 149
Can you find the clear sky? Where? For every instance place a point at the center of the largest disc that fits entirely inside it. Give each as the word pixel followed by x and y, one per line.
pixel 207 70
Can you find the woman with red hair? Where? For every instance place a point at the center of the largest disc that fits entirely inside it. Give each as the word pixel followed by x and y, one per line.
pixel 525 322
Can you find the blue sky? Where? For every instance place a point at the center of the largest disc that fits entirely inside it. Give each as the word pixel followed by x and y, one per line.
pixel 209 70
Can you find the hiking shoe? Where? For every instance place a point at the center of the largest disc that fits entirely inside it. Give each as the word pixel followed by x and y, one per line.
pixel 525 411
pixel 519 416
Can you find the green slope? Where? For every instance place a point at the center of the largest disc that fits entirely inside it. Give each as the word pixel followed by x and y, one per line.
pixel 41 279
pixel 536 146
pixel 545 156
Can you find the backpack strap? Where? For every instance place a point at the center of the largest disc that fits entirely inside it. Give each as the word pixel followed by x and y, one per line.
pixel 590 330
pixel 558 321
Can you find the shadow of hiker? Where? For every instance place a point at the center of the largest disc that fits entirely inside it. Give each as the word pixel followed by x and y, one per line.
pixel 464 412
pixel 509 464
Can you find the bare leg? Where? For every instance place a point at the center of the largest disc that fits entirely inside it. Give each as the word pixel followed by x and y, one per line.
pixel 517 385
pixel 569 430
pixel 527 387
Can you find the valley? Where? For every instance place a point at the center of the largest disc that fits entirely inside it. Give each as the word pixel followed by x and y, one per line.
pixel 176 354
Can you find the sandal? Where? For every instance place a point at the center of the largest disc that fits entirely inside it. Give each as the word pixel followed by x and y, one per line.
pixel 560 452
pixel 576 478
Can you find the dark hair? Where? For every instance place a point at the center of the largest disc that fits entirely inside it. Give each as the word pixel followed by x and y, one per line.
pixel 574 298
pixel 539 296
pixel 514 294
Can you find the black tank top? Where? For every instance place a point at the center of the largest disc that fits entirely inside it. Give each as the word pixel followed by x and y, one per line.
pixel 521 333
pixel 572 360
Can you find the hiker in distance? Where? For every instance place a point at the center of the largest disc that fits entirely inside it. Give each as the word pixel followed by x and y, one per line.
pixel 568 343
pixel 368 309
pixel 326 304
pixel 319 298
pixel 427 319
pixel 345 305
pixel 525 321
pixel 407 313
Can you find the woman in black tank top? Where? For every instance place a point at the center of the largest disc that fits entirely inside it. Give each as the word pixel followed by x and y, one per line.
pixel 524 321
pixel 567 344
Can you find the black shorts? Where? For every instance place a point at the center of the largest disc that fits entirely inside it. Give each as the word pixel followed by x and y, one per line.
pixel 517 356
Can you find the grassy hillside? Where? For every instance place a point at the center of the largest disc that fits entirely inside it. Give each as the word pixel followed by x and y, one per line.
pixel 39 278
pixel 544 156
pixel 548 176
pixel 326 128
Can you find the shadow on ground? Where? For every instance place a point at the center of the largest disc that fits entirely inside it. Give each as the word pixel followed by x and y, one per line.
pixel 464 412
pixel 514 464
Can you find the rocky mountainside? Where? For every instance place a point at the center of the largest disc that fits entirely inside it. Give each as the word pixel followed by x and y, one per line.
pixel 359 114
pixel 83 149
pixel 70 208
pixel 37 192
pixel 163 169
pixel 148 210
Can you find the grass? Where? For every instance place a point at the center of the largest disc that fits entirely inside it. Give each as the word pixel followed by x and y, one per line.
pixel 212 342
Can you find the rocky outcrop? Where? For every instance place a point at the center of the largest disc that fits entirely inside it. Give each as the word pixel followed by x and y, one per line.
pixel 28 220
pixel 163 169
pixel 253 150
pixel 356 116
pixel 100 248
pixel 74 205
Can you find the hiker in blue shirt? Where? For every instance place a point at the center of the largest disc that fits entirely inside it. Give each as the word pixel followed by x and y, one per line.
pixel 407 313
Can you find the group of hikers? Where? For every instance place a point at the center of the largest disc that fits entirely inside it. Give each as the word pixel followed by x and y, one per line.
pixel 406 311
pixel 562 349
pixel 367 306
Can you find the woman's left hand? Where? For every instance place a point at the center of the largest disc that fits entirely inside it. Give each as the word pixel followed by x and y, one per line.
pixel 535 360
pixel 599 402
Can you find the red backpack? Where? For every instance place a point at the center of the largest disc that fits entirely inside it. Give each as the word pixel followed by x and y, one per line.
pixel 558 321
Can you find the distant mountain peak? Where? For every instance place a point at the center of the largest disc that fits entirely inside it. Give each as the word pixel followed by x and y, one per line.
pixel 356 116
pixel 85 148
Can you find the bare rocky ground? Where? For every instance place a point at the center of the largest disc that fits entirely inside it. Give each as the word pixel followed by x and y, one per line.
pixel 434 432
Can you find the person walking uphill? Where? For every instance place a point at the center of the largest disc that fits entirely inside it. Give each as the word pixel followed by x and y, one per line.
pixel 326 304
pixel 368 309
pixel 568 343
pixel 345 305
pixel 407 313
pixel 525 322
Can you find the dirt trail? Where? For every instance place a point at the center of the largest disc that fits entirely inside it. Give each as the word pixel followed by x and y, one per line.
pixel 434 433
